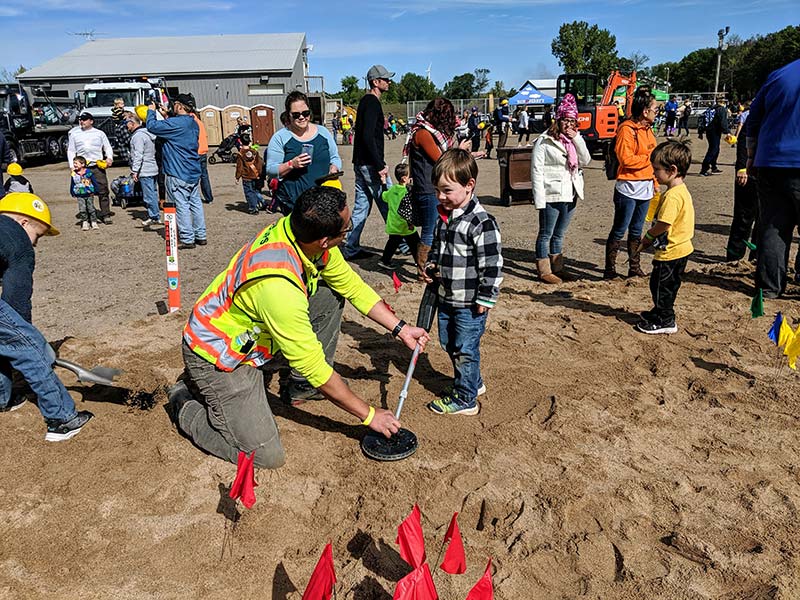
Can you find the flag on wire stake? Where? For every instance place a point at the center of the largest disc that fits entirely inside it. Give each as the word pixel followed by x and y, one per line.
pixel 417 585
pixel 785 336
pixel 396 282
pixel 775 330
pixel 750 245
pixel 411 540
pixel 483 590
pixel 245 481
pixel 792 350
pixel 757 305
pixel 320 586
pixel 454 561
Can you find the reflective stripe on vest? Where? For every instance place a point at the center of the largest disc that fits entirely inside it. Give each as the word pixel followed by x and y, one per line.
pixel 212 328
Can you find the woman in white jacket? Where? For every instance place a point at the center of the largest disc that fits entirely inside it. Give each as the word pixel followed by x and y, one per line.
pixel 558 156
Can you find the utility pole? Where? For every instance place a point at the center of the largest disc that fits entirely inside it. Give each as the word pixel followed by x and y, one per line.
pixel 667 82
pixel 720 47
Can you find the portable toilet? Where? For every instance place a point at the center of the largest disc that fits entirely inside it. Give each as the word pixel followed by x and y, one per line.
pixel 211 117
pixel 229 115
pixel 262 118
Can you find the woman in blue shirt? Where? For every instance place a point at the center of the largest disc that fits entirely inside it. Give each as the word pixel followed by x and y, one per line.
pixel 300 153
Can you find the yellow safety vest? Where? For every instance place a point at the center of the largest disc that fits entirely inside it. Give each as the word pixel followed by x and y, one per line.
pixel 345 123
pixel 219 330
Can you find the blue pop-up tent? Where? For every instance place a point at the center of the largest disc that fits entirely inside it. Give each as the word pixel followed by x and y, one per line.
pixel 529 95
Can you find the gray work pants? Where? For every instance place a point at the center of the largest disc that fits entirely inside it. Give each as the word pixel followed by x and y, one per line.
pixel 230 411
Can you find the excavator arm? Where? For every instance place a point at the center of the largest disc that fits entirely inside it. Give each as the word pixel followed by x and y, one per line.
pixel 615 81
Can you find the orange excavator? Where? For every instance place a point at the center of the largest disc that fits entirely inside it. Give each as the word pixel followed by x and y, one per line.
pixel 598 116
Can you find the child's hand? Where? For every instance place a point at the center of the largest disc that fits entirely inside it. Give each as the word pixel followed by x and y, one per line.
pixel 482 309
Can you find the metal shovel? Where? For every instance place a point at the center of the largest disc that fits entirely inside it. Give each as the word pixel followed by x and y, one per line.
pixel 98 375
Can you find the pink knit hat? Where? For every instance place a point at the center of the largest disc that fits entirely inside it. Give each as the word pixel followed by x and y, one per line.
pixel 568 109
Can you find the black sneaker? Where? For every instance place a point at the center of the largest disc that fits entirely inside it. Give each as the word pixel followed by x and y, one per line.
pixel 655 328
pixel 705 173
pixel 297 391
pixel 361 255
pixel 715 171
pixel 59 431
pixel 16 402
pixel 385 266
pixel 202 242
pixel 183 246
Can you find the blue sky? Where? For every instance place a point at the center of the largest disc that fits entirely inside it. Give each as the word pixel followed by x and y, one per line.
pixel 510 38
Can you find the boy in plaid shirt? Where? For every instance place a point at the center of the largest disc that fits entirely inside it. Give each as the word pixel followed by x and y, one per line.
pixel 467 261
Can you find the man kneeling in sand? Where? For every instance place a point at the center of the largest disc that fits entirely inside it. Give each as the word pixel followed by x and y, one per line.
pixel 270 302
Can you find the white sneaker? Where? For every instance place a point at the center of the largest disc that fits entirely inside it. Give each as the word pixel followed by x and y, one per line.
pixel 95 225
pixel 85 226
pixel 150 222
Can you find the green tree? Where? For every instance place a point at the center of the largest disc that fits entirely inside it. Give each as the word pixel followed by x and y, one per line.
pixel 415 87
pixel 481 81
pixel 695 71
pixel 747 67
pixel 461 86
pixel 581 47
pixel 351 91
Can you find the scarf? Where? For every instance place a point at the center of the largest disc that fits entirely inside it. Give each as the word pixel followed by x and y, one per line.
pixel 572 153
pixel 441 141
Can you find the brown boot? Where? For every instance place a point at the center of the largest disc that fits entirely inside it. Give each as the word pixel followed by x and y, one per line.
pixel 634 262
pixel 422 258
pixel 545 272
pixel 557 266
pixel 612 247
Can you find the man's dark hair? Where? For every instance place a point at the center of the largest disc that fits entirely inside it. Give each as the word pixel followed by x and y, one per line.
pixel 400 171
pixel 316 214
pixel 641 100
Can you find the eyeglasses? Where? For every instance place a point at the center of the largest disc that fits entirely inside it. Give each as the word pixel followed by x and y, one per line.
pixel 569 121
pixel 305 114
pixel 349 228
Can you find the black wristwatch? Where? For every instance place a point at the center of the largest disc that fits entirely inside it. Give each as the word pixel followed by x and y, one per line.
pixel 398 327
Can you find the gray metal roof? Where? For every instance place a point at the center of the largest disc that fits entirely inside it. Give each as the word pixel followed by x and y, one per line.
pixel 261 52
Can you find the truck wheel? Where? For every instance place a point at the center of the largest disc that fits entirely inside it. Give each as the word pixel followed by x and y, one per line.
pixel 16 155
pixel 63 144
pixel 53 148
pixel 212 160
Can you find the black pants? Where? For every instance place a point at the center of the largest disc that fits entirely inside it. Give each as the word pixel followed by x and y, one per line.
pixel 710 160
pixel 665 281
pixel 745 219
pixel 476 140
pixel 779 203
pixel 393 244
pixel 102 190
pixel 205 182
pixel 683 124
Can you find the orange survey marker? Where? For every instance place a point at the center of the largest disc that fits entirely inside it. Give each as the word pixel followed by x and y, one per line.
pixel 173 273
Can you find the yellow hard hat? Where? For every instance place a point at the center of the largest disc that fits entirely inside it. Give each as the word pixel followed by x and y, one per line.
pixel 730 138
pixel 503 102
pixel 334 183
pixel 30 205
pixel 481 125
pixel 141 112
pixel 102 164
pixel 14 169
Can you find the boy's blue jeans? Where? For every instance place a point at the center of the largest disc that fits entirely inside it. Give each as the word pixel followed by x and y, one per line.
pixel 460 331
pixel 24 349
pixel 251 194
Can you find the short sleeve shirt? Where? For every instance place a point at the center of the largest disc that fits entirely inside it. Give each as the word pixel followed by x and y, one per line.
pixel 677 210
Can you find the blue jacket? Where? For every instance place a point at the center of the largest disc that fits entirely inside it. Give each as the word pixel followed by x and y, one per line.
pixel 179 133
pixel 774 120
pixel 17 262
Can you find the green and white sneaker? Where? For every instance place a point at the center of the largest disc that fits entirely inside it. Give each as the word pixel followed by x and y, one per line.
pixel 451 405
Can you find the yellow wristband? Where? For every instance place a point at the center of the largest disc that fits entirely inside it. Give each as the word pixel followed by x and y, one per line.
pixel 370 416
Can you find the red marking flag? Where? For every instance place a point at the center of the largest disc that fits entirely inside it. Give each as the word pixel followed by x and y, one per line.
pixel 396 281
pixel 410 539
pixel 245 482
pixel 454 561
pixel 417 585
pixel 320 586
pixel 483 590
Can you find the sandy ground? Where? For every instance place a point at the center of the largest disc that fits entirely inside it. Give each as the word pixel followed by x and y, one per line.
pixel 604 464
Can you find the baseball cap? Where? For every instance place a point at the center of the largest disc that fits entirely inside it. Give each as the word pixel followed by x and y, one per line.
pixel 186 100
pixel 378 72
pixel 85 115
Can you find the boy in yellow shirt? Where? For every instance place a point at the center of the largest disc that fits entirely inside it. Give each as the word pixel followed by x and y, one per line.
pixel 671 235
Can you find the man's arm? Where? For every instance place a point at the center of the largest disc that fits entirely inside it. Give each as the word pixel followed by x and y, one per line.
pixel 71 151
pixel 18 282
pixel 371 116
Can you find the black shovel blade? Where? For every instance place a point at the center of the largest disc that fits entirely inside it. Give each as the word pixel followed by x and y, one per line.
pixel 378 447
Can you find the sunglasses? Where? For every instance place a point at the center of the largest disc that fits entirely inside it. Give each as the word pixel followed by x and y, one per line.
pixel 305 114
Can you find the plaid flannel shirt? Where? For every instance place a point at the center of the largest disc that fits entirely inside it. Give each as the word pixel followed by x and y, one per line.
pixel 467 251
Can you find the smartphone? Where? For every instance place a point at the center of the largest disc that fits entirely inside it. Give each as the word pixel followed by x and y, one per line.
pixel 308 149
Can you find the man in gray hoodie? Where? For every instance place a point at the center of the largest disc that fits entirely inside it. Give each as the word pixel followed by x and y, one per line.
pixel 144 167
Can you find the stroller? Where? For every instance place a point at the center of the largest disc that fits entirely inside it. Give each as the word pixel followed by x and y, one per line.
pixel 126 191
pixel 227 151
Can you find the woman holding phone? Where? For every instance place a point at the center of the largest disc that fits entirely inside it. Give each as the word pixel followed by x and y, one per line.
pixel 300 153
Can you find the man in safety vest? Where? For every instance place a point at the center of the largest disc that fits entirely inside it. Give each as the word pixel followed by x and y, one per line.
pixel 24 218
pixel 346 125
pixel 270 302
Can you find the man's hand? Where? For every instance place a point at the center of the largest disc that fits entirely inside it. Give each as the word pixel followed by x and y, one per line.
pixel 465 144
pixel 741 177
pixel 109 162
pixel 383 173
pixel 384 422
pixel 135 176
pixel 411 336
pixel 333 169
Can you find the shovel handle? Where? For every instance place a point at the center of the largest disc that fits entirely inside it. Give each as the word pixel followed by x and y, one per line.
pixel 409 375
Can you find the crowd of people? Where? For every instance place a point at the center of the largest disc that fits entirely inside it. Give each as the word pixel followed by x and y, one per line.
pixel 280 299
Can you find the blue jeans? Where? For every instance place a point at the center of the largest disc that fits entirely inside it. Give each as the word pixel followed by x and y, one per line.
pixel 427 209
pixel 189 208
pixel 460 331
pixel 150 197
pixel 368 190
pixel 629 215
pixel 205 182
pixel 24 349
pixel 251 194
pixel 554 219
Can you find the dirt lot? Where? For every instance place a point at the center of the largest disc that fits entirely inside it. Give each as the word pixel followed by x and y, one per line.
pixel 604 464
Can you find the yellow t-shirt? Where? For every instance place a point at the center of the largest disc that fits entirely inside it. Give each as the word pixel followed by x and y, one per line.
pixel 677 210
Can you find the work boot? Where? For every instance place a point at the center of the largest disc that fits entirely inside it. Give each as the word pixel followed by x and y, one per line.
pixel 545 272
pixel 422 257
pixel 557 266
pixel 297 391
pixel 612 247
pixel 634 256
pixel 177 396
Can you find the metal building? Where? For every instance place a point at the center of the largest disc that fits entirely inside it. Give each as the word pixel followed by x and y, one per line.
pixel 218 69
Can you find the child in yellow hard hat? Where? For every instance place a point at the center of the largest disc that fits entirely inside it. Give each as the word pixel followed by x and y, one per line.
pixel 16 181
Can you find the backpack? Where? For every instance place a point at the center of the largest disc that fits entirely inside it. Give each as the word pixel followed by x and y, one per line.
pixel 705 120
pixel 611 162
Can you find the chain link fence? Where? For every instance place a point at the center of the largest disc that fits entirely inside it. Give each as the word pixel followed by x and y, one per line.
pixel 414 106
